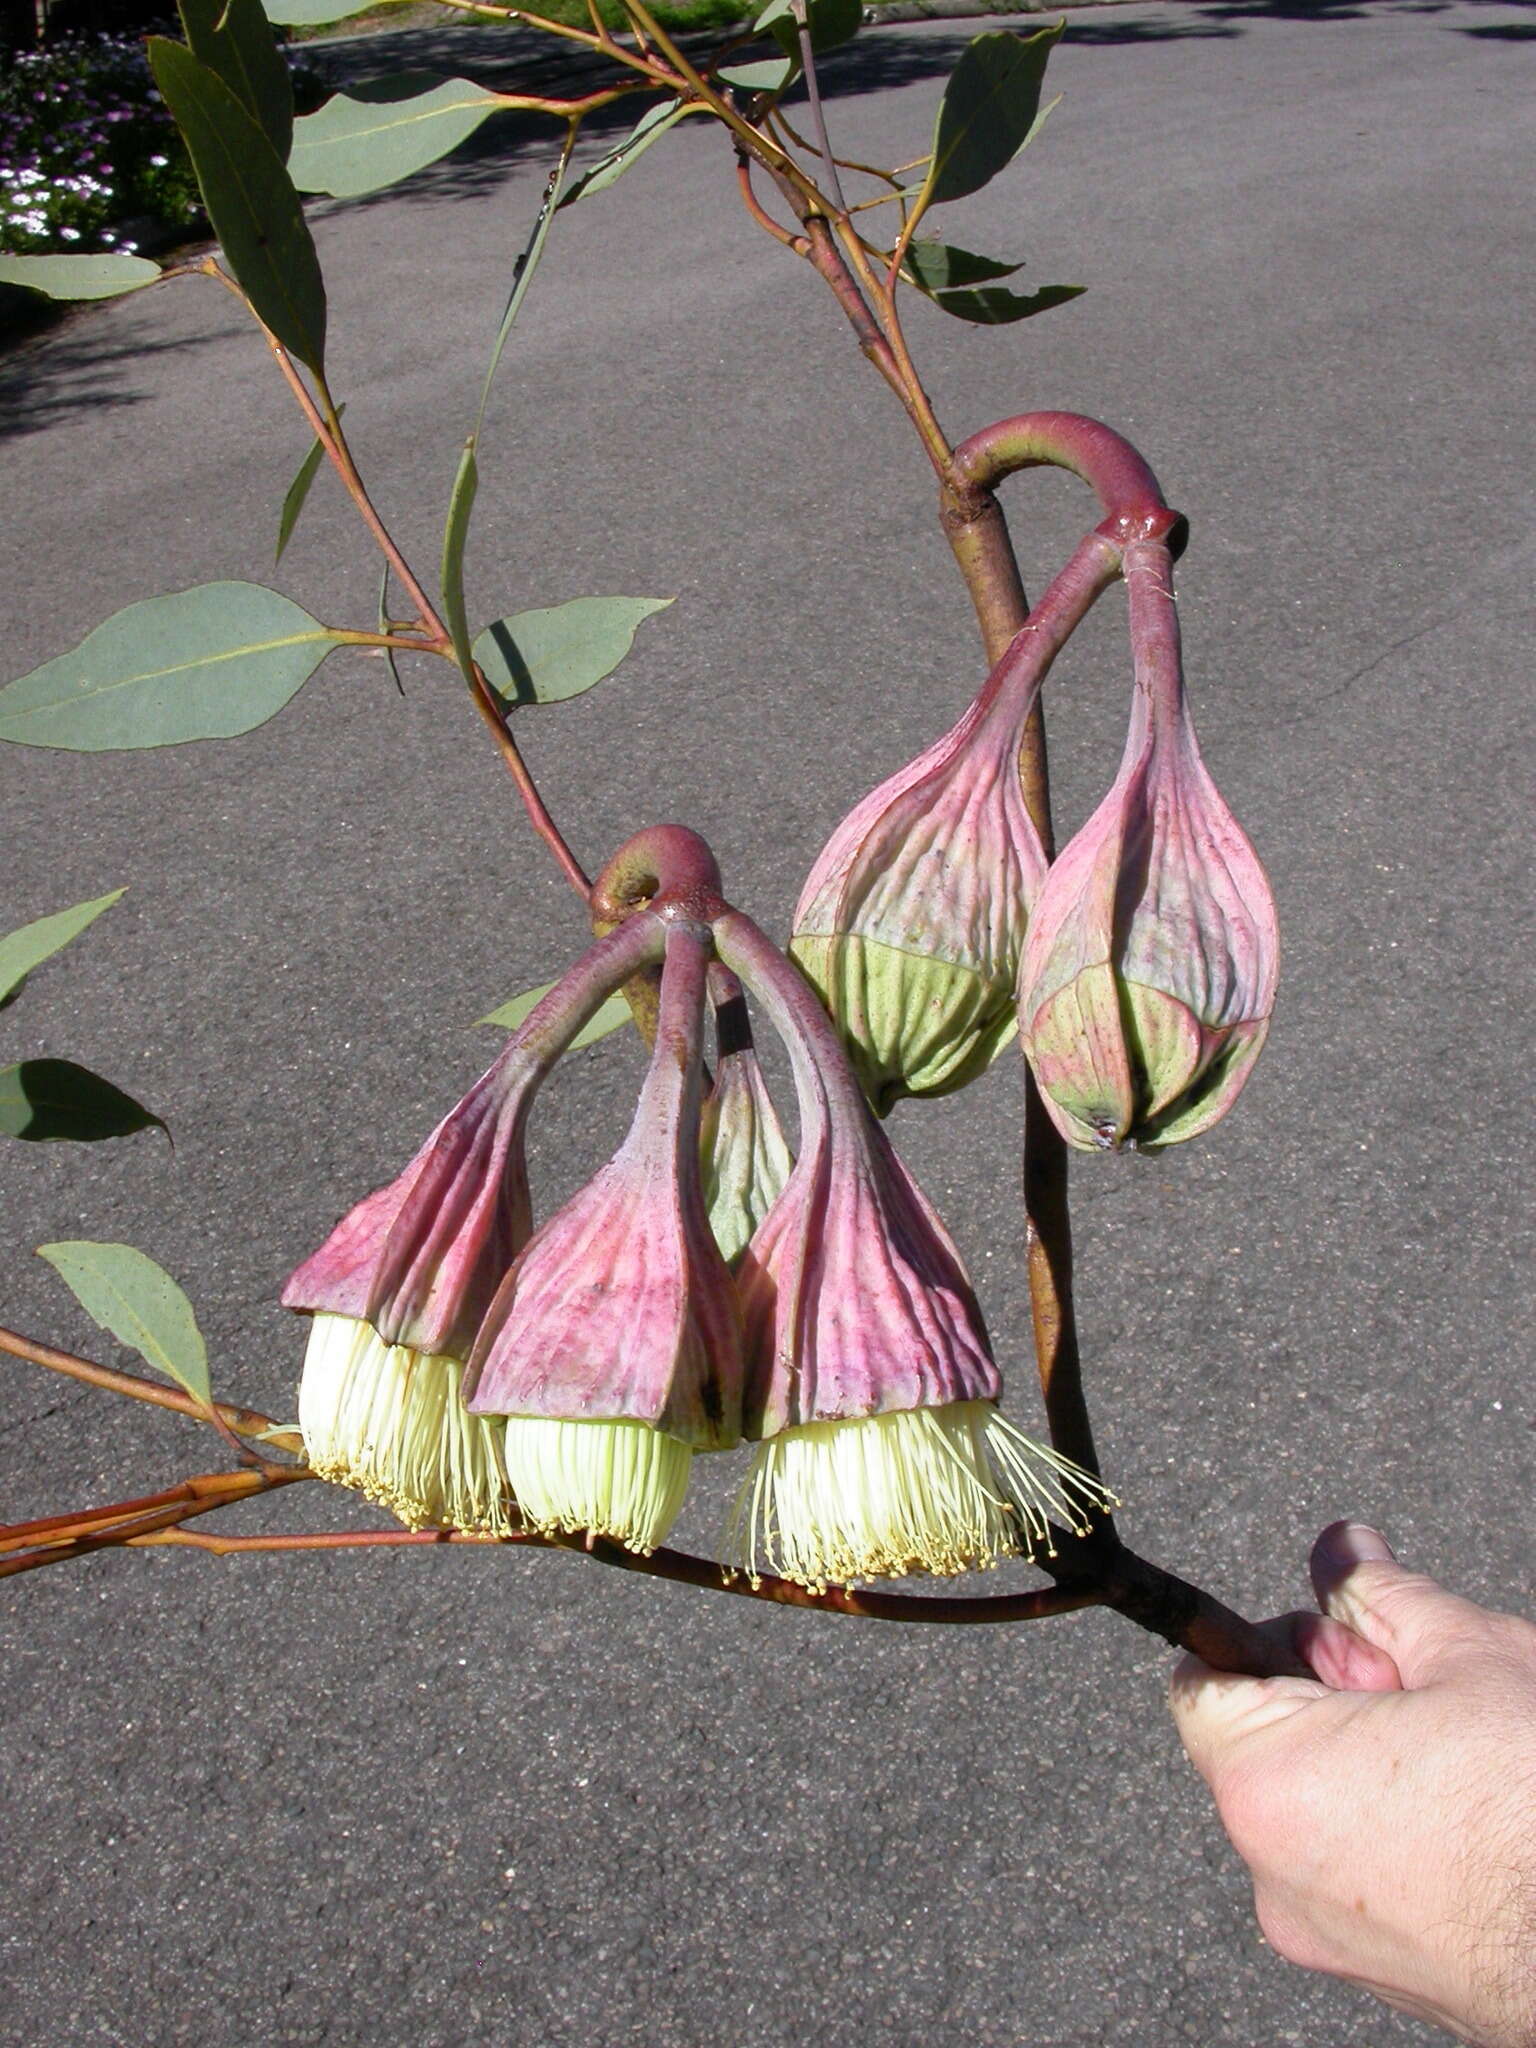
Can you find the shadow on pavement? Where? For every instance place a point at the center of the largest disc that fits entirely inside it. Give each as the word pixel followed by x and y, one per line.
pixel 70 365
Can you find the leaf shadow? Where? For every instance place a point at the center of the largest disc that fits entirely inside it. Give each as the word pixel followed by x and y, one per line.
pixel 69 359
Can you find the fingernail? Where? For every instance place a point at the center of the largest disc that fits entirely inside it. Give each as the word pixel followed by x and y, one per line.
pixel 1364 1544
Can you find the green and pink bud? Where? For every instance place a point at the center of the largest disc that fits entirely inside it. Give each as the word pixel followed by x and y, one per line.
pixel 746 1155
pixel 911 922
pixel 1149 970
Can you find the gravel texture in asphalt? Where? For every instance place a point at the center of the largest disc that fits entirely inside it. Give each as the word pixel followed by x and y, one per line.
pixel 469 1798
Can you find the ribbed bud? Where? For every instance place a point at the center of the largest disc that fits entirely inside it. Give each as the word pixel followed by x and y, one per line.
pixel 1149 970
pixel 621 1312
pixel 911 921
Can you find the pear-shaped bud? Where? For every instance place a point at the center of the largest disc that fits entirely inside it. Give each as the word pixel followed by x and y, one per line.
pixel 1149 970
pixel 613 1346
pixel 746 1156
pixel 912 918
pixel 388 1420
pixel 401 1285
pixel 869 1375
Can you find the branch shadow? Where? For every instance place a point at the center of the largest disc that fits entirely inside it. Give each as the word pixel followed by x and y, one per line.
pixel 68 362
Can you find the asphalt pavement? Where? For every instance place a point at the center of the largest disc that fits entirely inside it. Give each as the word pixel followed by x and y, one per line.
pixel 466 1798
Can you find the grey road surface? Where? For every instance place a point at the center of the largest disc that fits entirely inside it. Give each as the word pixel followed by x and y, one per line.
pixel 487 1798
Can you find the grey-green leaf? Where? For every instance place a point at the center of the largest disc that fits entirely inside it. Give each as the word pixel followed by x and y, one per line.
pixel 610 1015
pixel 124 1291
pixel 251 201
pixel 31 944
pixel 199 664
pixel 45 1100
pixel 298 491
pixel 830 22
pixel 314 13
pixel 651 126
pixel 545 656
pixel 461 506
pixel 990 109
pixel 998 308
pixel 79 277
pixel 383 131
pixel 235 39
pixel 940 267
pixel 769 74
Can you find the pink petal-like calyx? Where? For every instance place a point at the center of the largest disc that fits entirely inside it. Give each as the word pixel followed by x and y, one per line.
pixel 621 1306
pixel 421 1259
pixel 854 1298
pixel 1149 969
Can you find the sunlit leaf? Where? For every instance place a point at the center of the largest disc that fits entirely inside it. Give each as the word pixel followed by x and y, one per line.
pixel 770 74
pixel 79 277
pixel 298 491
pixel 197 665
pixel 651 126
pixel 31 944
pixel 990 110
pixel 235 39
pixel 614 1012
pixel 939 267
pixel 544 656
pixel 251 201
pixel 527 263
pixel 314 13
pixel 830 22
pixel 999 308
pixel 44 1100
pixel 124 1291
pixel 461 506
pixel 378 133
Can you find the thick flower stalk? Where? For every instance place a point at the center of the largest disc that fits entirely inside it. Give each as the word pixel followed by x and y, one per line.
pixel 613 1347
pixel 868 1373
pixel 1149 969
pixel 746 1155
pixel 912 919
pixel 400 1287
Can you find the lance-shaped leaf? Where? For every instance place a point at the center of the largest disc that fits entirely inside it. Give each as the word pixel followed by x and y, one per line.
pixel 200 664
pixel 461 507
pixel 545 656
pixel 651 126
pixel 830 22
pixel 314 13
pixel 251 201
pixel 940 267
pixel 768 74
pixel 31 944
pixel 127 1293
pixel 235 39
pixel 611 1016
pixel 990 110
pixel 384 130
pixel 1000 308
pixel 298 491
pixel 79 277
pixel 46 1100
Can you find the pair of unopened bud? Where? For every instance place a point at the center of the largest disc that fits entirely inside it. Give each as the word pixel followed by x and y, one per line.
pixel 1139 968
pixel 470 1371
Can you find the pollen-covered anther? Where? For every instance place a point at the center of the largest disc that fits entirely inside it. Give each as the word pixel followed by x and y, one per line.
pixel 388 1421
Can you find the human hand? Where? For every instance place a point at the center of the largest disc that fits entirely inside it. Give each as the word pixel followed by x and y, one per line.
pixel 1387 1808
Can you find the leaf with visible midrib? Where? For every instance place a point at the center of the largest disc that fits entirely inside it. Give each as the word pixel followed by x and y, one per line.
pixel 235 39
pixel 124 1291
pixel 51 1101
pixel 546 655
pixel 31 944
pixel 251 201
pixel 384 132
pixel 990 109
pixel 79 277
pixel 199 664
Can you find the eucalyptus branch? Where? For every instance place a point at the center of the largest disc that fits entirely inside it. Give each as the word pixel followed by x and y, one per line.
pixel 813 94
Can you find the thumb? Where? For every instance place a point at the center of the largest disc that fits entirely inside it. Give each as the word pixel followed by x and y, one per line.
pixel 1421 1627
